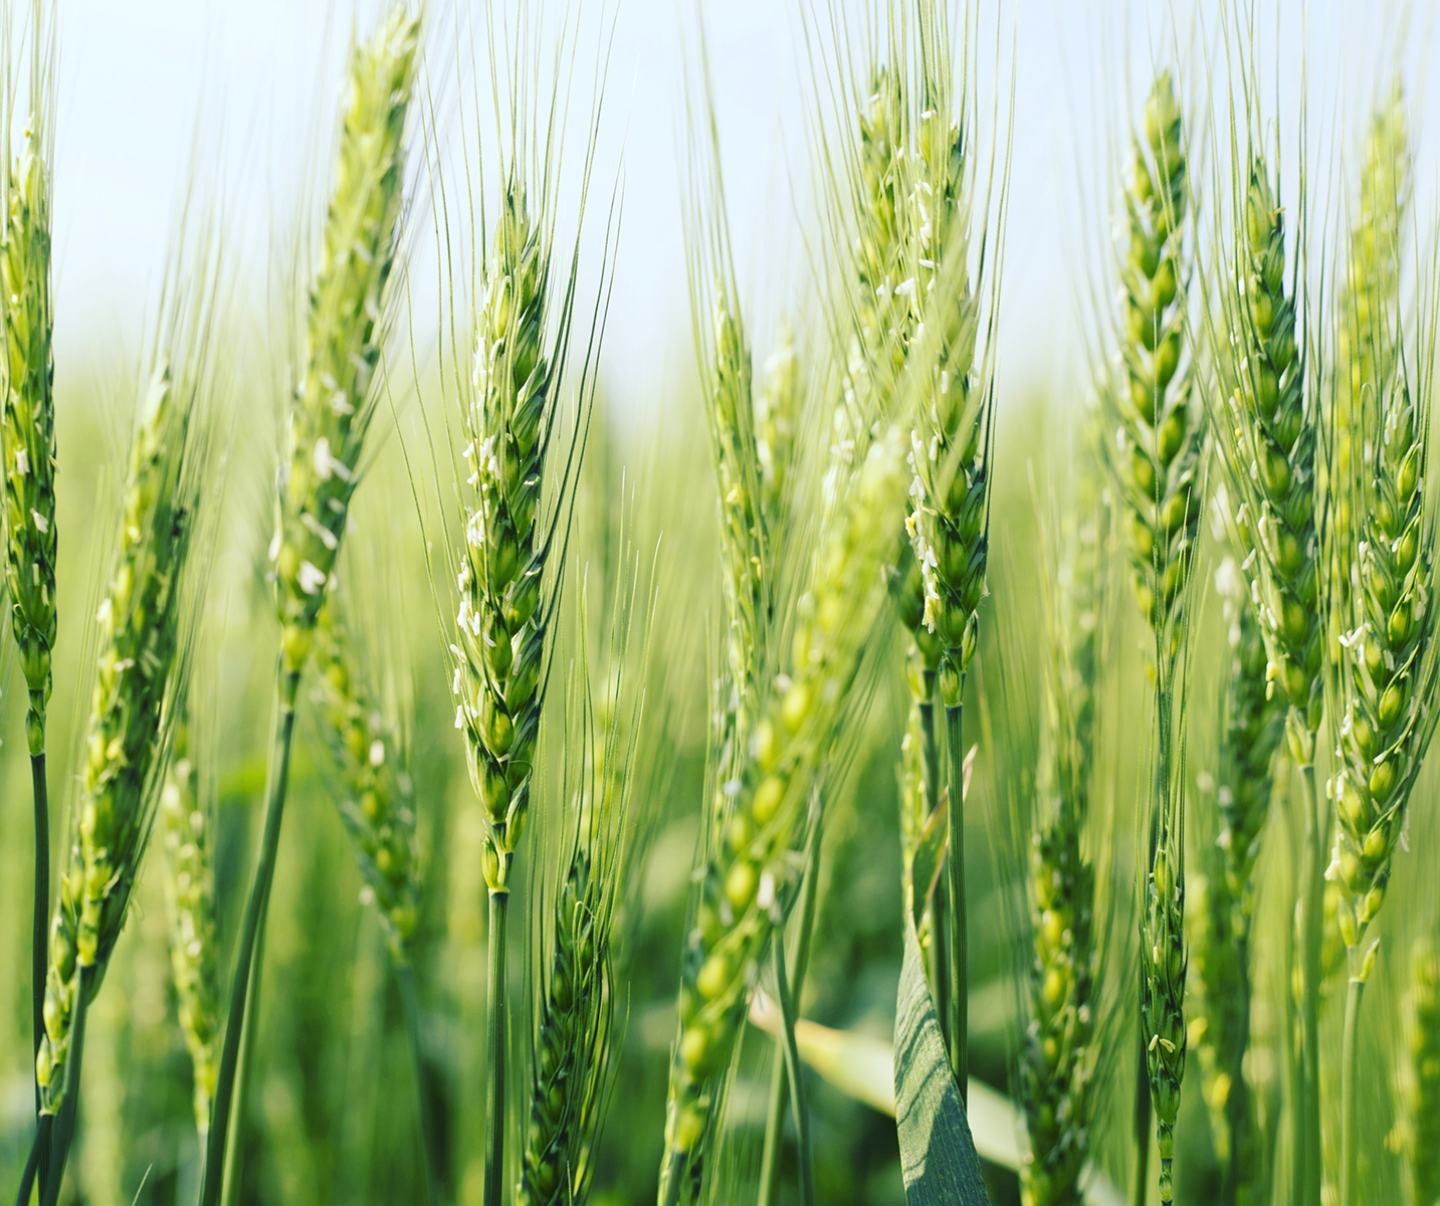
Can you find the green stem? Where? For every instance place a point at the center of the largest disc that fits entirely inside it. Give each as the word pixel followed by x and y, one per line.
pixel 939 919
pixel 955 880
pixel 789 1009
pixel 1312 920
pixel 41 911
pixel 1140 1185
pixel 39 949
pixel 1349 1074
pixel 64 1130
pixel 793 1073
pixel 495 1043
pixel 1160 795
pixel 670 1181
pixel 1290 1047
pixel 251 942
pixel 774 1120
pixel 33 1161
pixel 427 1087
pixel 231 1185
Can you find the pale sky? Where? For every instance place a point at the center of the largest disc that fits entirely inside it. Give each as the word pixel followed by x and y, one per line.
pixel 265 74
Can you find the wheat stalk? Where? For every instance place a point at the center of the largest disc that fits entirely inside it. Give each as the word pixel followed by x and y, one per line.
pixel 329 417
pixel 1390 689
pixel 1158 427
pixel 187 828
pixel 142 624
pixel 1266 429
pixel 749 875
pixel 27 449
pixel 28 428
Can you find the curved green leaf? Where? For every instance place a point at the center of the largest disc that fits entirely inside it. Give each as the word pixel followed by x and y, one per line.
pixel 937 1152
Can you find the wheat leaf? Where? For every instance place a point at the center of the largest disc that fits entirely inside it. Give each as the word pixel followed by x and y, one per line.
pixel 937 1152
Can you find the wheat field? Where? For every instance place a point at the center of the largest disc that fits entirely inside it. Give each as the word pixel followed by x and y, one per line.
pixel 826 602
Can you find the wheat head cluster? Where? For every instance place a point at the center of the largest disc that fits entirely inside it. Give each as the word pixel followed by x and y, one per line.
pixel 851 777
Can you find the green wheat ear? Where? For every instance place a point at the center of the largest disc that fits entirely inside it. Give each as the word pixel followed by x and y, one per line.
pixel 1159 425
pixel 1366 327
pixel 504 611
pixel 141 653
pixel 377 795
pixel 1390 664
pixel 187 828
pixel 345 323
pixel 27 426
pixel 1058 1061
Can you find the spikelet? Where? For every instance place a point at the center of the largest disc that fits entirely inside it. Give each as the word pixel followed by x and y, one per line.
pixel 141 622
pixel 187 828
pixel 345 324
